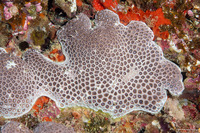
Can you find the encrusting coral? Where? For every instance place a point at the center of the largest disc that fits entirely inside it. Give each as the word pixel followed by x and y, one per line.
pixel 52 127
pixel 14 127
pixel 44 127
pixel 154 19
pixel 111 67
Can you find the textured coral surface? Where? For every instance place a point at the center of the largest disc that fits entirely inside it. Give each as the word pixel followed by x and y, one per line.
pixel 52 127
pixel 15 127
pixel 45 127
pixel 33 24
pixel 110 67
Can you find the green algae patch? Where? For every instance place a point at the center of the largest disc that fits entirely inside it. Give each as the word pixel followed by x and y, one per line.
pixel 38 37
pixel 99 123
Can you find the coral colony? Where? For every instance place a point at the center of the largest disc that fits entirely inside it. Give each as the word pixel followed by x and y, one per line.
pixel 110 67
pixel 50 127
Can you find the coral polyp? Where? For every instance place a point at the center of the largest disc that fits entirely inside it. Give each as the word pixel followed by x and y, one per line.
pixel 110 67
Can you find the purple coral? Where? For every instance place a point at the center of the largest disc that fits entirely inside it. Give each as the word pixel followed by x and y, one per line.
pixel 52 127
pixel 16 86
pixel 111 67
pixel 45 127
pixel 15 127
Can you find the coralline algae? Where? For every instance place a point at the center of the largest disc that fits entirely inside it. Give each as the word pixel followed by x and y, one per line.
pixel 110 67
